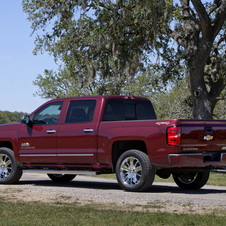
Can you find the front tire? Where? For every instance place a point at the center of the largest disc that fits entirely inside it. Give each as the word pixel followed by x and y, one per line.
pixel 61 177
pixel 10 172
pixel 134 171
pixel 191 181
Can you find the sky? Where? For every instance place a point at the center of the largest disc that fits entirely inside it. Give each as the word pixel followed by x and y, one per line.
pixel 18 66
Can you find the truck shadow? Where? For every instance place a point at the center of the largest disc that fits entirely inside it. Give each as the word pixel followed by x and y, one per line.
pixel 104 185
pixel 175 189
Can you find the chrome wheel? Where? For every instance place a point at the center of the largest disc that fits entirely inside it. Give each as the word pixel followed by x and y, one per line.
pixel 10 172
pixel 131 171
pixel 134 171
pixel 58 175
pixel 61 177
pixel 188 178
pixel 191 180
pixel 5 166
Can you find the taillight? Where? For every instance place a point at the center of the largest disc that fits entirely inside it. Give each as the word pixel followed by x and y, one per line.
pixel 174 135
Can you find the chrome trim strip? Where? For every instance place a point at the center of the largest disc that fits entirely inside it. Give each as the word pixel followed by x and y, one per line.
pixel 181 154
pixel 55 155
pixel 73 172
pixel 39 155
pixel 76 155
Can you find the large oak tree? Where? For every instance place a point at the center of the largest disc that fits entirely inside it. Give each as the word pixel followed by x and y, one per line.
pixel 105 40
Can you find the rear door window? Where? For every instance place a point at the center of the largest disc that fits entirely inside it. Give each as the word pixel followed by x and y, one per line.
pixel 80 111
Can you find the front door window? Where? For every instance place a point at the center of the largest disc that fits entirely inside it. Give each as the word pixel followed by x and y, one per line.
pixel 48 114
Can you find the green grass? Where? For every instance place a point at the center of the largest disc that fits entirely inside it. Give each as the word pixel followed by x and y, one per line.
pixel 74 214
pixel 218 179
pixel 35 213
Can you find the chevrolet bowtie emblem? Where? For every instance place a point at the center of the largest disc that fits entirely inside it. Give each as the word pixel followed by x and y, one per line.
pixel 208 137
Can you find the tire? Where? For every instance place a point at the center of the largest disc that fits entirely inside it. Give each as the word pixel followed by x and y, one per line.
pixel 61 177
pixel 134 171
pixel 10 172
pixel 191 181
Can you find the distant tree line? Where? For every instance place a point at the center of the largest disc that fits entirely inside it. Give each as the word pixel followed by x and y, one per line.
pixel 10 117
pixel 174 101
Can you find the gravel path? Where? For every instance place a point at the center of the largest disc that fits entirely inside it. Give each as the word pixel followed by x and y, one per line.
pixel 83 190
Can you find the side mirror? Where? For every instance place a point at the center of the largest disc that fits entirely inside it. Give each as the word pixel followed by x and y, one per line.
pixel 25 119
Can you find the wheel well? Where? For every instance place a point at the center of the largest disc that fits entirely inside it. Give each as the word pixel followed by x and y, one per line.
pixel 120 147
pixel 6 144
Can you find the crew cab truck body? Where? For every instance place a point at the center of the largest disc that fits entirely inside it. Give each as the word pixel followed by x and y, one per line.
pixel 106 134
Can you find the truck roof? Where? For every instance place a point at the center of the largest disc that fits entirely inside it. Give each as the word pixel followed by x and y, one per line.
pixel 105 96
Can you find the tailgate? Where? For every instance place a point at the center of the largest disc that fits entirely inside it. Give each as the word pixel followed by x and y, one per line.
pixel 204 136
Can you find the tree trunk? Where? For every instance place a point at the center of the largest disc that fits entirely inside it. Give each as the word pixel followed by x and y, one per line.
pixel 203 101
pixel 202 106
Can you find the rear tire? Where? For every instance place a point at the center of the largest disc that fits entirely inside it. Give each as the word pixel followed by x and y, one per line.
pixel 10 172
pixel 134 171
pixel 191 181
pixel 61 177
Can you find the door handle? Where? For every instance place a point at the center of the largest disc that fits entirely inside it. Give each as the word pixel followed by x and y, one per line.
pixel 51 131
pixel 88 130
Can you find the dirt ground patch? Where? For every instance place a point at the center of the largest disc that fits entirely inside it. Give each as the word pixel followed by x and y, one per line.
pixel 58 198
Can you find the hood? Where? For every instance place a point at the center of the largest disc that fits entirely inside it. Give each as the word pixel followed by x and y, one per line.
pixel 10 126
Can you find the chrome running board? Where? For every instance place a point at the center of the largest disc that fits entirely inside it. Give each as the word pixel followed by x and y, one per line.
pixel 74 172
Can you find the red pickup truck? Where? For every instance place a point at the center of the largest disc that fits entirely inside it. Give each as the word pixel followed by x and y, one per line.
pixel 111 134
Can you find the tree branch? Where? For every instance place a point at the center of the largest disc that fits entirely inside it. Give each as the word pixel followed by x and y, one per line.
pixel 217 88
pixel 222 38
pixel 203 15
pixel 215 5
pixel 174 35
pixel 218 22
pixel 102 4
pixel 186 14
pixel 221 98
pixel 193 17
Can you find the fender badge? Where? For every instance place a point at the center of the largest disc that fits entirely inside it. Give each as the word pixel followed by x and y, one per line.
pixel 208 137
pixel 162 123
pixel 25 145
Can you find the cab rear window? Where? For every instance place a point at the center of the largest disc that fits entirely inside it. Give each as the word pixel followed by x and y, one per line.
pixel 120 110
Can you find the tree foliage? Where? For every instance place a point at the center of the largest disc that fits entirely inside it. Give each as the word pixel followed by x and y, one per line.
pixel 10 117
pixel 174 103
pixel 105 46
pixel 3 118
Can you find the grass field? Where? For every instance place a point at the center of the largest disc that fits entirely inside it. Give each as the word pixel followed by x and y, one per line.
pixel 73 214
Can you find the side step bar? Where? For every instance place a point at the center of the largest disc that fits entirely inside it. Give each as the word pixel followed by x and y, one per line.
pixel 60 172
pixel 219 170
